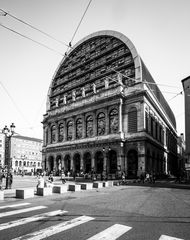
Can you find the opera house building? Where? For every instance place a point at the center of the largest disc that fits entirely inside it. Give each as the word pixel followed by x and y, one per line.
pixel 105 113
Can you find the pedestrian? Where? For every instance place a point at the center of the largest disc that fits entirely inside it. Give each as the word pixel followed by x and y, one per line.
pixel 142 178
pixel 147 179
pixel 123 177
pixel 41 182
pixel 63 177
pixel 11 179
pixel 1 179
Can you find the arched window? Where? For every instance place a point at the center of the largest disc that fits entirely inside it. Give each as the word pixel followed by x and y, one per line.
pixel 132 120
pixel 53 133
pixel 38 164
pixel 69 130
pixel 114 121
pixel 20 163
pixel 101 124
pixel 89 126
pixel 27 164
pixel 79 128
pixel 61 132
pixel 16 163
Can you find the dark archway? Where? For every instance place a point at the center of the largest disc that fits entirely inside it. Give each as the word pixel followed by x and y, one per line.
pixel 112 158
pixel 99 162
pixel 132 163
pixel 87 162
pixel 76 160
pixel 67 161
pixel 50 163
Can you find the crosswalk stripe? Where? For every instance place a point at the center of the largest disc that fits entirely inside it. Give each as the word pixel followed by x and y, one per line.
pixel 14 205
pixel 5 214
pixel 165 237
pixel 34 218
pixel 111 233
pixel 47 232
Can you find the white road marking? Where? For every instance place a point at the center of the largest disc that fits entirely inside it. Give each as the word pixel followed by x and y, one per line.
pixel 10 213
pixel 111 233
pixel 165 237
pixel 14 205
pixel 47 232
pixel 34 218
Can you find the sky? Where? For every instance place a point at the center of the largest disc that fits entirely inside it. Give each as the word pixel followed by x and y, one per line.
pixel 159 30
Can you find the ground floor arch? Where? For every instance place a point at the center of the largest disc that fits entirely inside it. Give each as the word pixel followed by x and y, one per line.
pixel 67 162
pixel 50 164
pixel 112 161
pixel 76 162
pixel 87 162
pixel 99 162
pixel 132 163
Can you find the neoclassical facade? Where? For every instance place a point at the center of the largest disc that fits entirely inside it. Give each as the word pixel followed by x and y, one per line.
pixel 106 113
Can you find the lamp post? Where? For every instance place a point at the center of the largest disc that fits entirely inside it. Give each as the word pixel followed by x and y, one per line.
pixel 9 132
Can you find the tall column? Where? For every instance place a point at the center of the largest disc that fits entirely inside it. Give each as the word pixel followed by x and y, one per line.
pixel 93 163
pixel 72 163
pixel 105 154
pixel 82 163
pixel 120 117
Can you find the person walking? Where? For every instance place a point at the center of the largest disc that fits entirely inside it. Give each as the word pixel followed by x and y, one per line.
pixel 142 177
pixel 1 179
pixel 41 182
pixel 63 177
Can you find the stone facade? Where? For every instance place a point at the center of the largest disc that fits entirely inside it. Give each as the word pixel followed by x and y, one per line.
pixel 104 115
pixel 26 154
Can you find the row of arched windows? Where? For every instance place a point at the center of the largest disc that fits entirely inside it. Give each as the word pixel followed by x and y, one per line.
pixel 66 132
pixel 26 164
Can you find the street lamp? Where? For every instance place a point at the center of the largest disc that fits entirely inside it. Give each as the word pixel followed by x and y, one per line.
pixel 9 132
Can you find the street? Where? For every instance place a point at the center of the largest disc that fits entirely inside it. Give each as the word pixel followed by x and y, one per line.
pixel 132 212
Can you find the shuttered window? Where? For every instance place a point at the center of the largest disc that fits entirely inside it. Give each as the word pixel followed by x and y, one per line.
pixel 132 120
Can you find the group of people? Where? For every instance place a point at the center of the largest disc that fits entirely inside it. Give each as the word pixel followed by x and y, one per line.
pixel 8 176
pixel 148 177
pixel 44 182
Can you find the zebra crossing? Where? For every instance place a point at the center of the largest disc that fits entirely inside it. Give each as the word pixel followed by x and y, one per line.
pixel 111 233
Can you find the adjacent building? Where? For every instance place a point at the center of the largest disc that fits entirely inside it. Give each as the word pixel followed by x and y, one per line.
pixel 2 150
pixel 181 155
pixel 26 154
pixel 186 89
pixel 105 113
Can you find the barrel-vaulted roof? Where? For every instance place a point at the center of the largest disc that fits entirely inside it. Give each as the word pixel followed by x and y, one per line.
pixel 114 42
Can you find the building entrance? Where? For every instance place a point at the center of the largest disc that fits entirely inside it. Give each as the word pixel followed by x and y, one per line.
pixel 87 162
pixel 76 160
pixel 132 163
pixel 112 159
pixel 99 159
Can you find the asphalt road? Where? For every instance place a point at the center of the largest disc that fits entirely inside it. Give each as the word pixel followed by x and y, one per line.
pixel 143 212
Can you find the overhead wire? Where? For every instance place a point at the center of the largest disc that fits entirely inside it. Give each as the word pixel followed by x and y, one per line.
pixel 80 21
pixel 24 36
pixel 33 27
pixel 75 32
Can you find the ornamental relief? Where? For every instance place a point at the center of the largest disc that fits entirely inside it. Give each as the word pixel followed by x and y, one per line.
pixel 114 121
pixel 79 128
pixel 114 124
pixel 89 126
pixel 101 124
pixel 70 131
